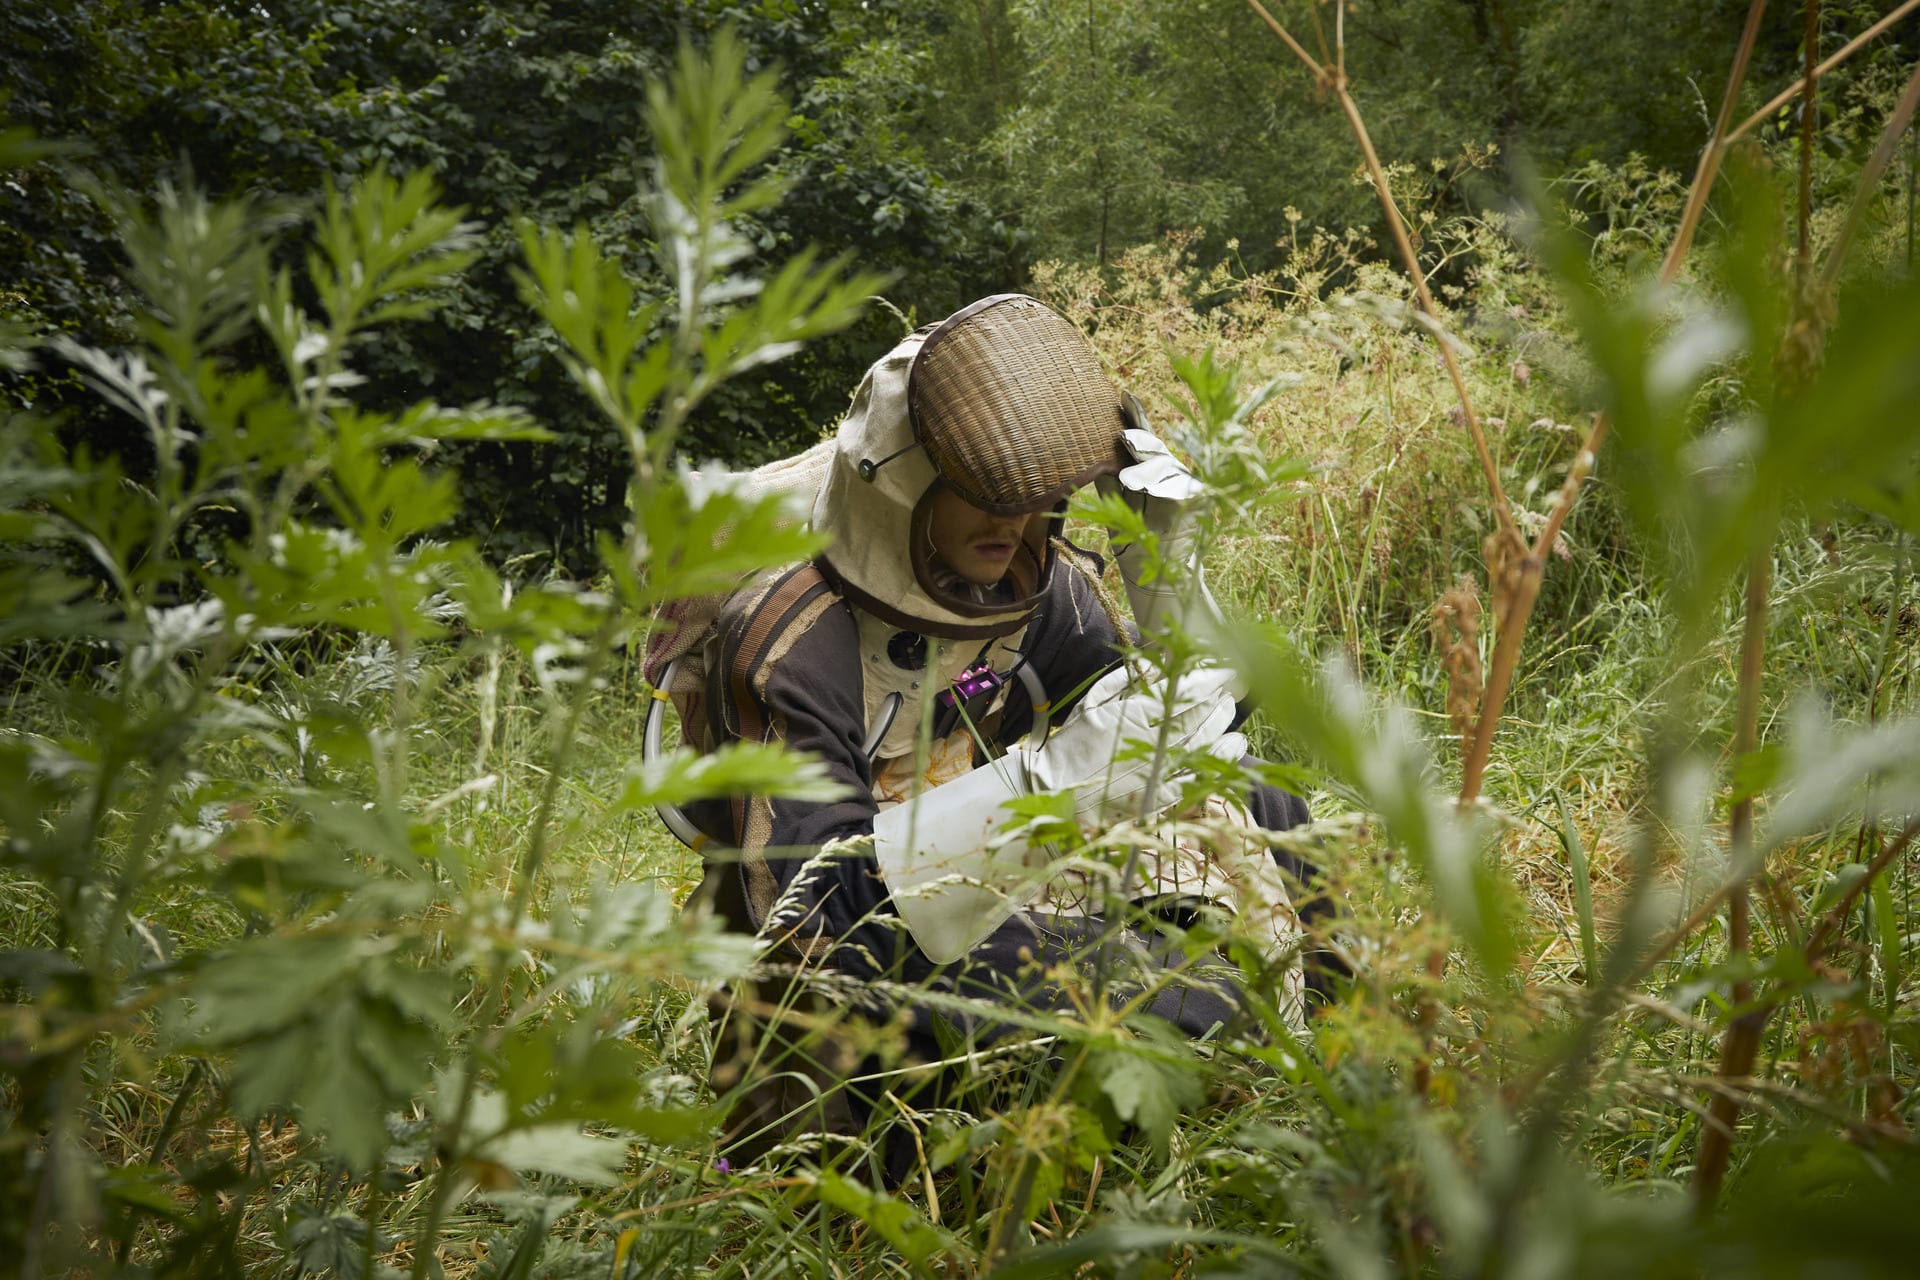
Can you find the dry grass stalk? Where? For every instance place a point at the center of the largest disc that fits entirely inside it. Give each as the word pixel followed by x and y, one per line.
pixel 1841 55
pixel 1518 577
pixel 1455 624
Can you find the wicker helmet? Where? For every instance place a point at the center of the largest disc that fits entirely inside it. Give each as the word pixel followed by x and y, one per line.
pixel 1010 403
pixel 1003 403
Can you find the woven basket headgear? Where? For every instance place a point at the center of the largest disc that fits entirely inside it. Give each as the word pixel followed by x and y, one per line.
pixel 1011 405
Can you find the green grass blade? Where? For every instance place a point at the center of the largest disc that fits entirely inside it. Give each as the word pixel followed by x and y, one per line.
pixel 1582 877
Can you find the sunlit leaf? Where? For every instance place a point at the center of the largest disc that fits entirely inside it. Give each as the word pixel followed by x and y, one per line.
pixel 892 1219
pixel 741 768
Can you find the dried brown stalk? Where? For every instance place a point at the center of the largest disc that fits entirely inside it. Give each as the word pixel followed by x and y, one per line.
pixel 1870 180
pixel 1514 568
pixel 1334 79
pixel 1841 55
pixel 1455 625
pixel 1725 136
pixel 1517 589
pixel 1522 594
pixel 1709 166
pixel 1511 622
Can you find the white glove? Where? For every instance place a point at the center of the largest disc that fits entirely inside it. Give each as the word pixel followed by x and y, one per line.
pixel 1158 486
pixel 953 878
pixel 950 882
pixel 1080 754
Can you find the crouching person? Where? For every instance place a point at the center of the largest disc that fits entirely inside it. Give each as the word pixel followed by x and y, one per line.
pixel 943 657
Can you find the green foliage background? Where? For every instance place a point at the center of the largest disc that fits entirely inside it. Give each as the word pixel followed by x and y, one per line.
pixel 949 146
pixel 531 111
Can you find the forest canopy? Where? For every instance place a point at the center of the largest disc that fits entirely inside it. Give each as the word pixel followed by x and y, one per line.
pixel 948 146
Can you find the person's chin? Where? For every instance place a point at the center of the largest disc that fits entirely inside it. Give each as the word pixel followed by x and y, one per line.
pixel 984 572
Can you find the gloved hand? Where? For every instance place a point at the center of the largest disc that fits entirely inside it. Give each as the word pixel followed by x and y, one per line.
pixel 1158 486
pixel 1081 753
pixel 953 878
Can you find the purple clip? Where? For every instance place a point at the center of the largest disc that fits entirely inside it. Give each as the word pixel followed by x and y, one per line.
pixel 971 684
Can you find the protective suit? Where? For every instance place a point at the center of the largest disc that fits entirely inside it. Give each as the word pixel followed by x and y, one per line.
pixel 1004 404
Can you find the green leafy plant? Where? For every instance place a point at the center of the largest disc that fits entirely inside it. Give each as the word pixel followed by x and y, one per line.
pixel 399 1005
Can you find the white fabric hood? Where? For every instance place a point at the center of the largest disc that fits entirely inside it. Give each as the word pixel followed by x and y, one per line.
pixel 869 510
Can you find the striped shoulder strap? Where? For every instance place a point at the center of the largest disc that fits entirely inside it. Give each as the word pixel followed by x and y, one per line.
pixel 786 600
pixel 762 630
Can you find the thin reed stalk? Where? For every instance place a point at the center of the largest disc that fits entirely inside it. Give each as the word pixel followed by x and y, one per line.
pixel 1741 1043
pixel 1803 255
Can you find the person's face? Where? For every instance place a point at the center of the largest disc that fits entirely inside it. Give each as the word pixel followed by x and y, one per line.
pixel 976 544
